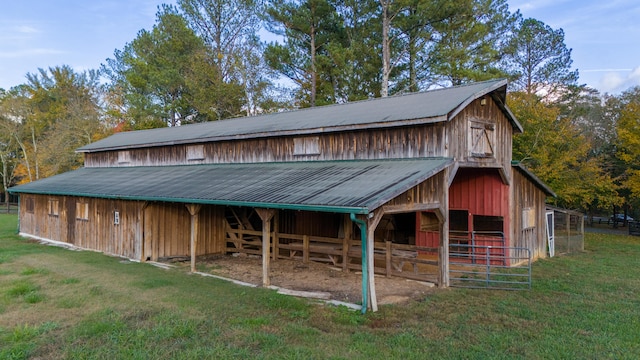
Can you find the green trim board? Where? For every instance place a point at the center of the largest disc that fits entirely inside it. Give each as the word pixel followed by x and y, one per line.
pixel 354 186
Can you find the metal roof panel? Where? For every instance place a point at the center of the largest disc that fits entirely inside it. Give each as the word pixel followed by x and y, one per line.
pixel 338 186
pixel 424 107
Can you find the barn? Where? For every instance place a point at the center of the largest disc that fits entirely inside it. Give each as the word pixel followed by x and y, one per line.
pixel 397 186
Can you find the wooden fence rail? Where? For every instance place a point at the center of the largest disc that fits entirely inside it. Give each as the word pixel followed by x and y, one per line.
pixel 390 259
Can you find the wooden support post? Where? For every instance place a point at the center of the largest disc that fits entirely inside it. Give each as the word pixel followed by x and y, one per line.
pixel 275 238
pixel 305 248
pixel 346 242
pixel 387 259
pixel 194 209
pixel 443 248
pixel 372 223
pixel 265 216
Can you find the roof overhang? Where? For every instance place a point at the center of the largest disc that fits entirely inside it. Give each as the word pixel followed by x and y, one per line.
pixel 498 92
pixel 533 178
pixel 356 186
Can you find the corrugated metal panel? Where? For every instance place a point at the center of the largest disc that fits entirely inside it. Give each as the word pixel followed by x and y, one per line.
pixel 425 107
pixel 337 186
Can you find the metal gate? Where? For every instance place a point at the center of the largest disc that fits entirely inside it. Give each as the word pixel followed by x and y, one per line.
pixel 490 267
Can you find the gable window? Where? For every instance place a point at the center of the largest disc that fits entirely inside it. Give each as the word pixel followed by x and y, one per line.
pixel 306 145
pixel 124 157
pixel 82 211
pixel 53 207
pixel 481 139
pixel 29 205
pixel 195 152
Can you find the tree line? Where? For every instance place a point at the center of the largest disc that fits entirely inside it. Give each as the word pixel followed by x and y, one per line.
pixel 204 60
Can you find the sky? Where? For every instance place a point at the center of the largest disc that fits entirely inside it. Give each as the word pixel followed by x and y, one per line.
pixel 604 35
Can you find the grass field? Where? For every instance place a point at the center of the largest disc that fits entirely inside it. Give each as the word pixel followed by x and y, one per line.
pixel 62 304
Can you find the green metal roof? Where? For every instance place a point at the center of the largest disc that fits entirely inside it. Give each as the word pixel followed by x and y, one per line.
pixel 417 108
pixel 335 186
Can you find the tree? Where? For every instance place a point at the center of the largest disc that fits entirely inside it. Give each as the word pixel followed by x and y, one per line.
pixel 470 45
pixel 554 148
pixel 46 119
pixel 8 150
pixel 628 131
pixel 540 61
pixel 312 29
pixel 225 26
pixel 64 114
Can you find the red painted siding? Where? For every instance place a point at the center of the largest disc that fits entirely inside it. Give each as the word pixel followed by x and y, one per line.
pixel 480 192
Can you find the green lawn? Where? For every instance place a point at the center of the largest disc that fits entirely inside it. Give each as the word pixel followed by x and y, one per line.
pixel 58 304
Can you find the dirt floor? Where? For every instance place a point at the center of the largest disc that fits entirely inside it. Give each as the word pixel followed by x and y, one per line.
pixel 329 280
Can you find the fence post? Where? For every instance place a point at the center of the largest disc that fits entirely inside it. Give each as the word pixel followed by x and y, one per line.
pixel 488 256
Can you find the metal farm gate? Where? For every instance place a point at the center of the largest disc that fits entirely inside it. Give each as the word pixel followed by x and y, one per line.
pixel 490 267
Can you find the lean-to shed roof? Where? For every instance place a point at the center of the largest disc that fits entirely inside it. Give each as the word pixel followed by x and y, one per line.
pixel 355 186
pixel 417 108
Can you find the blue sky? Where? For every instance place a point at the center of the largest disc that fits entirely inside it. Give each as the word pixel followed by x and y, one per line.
pixel 604 35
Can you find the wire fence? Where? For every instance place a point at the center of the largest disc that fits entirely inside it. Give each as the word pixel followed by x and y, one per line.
pixel 569 231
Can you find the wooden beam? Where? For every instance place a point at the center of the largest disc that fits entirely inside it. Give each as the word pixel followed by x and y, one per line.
pixel 372 223
pixel 400 209
pixel 443 248
pixel 346 241
pixel 194 209
pixel 265 216
pixel 275 238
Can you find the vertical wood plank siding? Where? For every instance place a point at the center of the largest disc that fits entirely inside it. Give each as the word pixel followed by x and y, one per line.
pixel 98 232
pixel 164 231
pixel 526 195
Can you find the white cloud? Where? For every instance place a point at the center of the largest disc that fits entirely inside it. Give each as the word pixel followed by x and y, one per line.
pixel 617 81
pixel 26 29
pixel 28 53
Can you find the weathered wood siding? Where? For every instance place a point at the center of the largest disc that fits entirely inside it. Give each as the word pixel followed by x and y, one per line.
pixel 404 142
pixel 144 230
pixel 429 192
pixel 459 132
pixel 97 232
pixel 525 195
pixel 167 228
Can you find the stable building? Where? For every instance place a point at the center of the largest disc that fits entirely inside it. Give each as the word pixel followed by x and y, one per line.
pixel 396 186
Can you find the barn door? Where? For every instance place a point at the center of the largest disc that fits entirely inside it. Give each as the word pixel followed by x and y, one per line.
pixel 550 233
pixel 481 139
